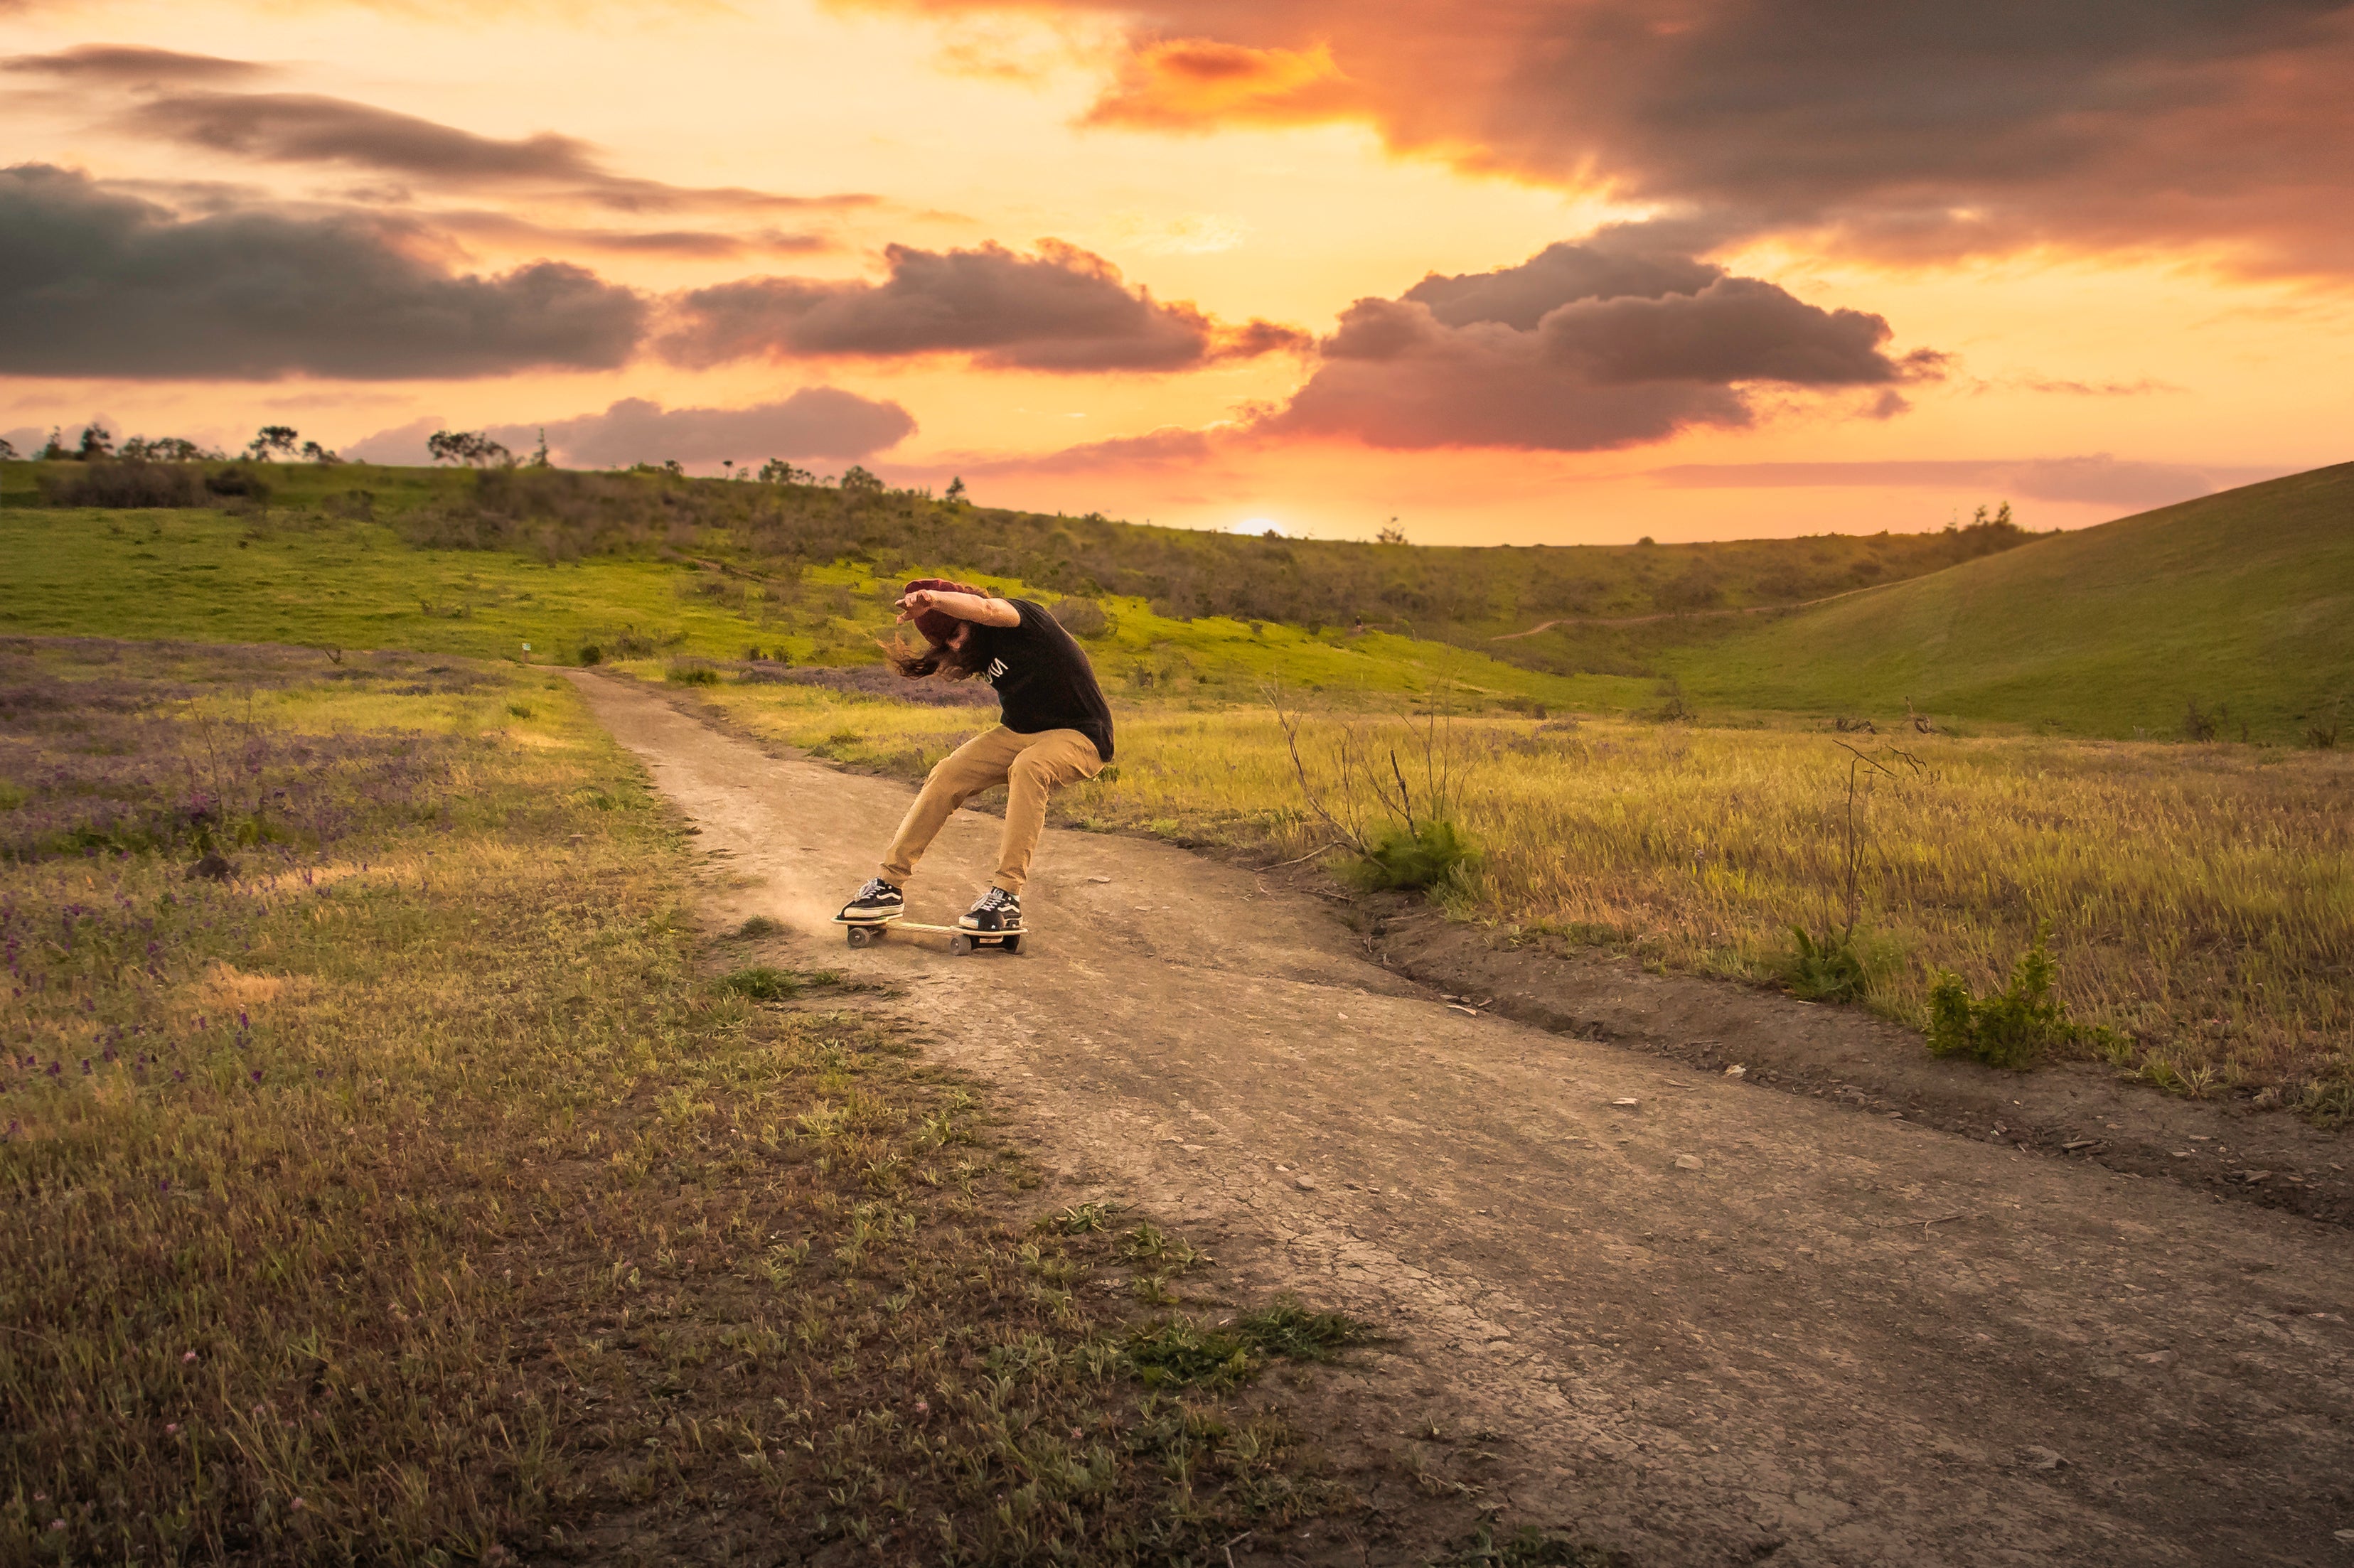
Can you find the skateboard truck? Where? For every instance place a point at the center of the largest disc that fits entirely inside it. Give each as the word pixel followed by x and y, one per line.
pixel 866 933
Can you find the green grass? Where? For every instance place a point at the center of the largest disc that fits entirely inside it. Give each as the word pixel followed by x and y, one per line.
pixel 2242 603
pixel 203 577
pixel 307 578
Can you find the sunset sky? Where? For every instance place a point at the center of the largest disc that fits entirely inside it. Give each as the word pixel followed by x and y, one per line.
pixel 1551 272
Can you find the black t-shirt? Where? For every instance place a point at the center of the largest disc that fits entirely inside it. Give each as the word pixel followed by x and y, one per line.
pixel 1042 678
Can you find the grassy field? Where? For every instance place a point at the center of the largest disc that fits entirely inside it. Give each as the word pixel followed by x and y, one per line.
pixel 2237 608
pixel 2200 899
pixel 1446 593
pixel 2198 895
pixel 309 578
pixel 423 1188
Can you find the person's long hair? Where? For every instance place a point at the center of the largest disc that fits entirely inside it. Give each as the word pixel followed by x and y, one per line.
pixel 944 660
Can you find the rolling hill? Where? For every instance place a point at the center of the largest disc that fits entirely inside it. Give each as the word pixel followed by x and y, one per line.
pixel 2241 604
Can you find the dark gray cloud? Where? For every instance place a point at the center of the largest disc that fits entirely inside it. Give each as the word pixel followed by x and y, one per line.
pixel 1603 267
pixel 1906 128
pixel 1582 348
pixel 309 128
pixel 300 127
pixel 1060 309
pixel 134 65
pixel 95 282
pixel 2098 479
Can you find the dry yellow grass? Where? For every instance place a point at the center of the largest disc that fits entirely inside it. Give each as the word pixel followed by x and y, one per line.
pixel 2200 899
pixel 410 1195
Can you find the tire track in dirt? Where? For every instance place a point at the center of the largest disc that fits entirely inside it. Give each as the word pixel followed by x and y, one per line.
pixel 1712 1326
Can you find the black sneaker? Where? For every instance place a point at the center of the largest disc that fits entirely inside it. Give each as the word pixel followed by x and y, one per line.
pixel 997 911
pixel 879 900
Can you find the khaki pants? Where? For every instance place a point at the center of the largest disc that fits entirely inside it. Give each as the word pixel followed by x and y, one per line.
pixel 1027 765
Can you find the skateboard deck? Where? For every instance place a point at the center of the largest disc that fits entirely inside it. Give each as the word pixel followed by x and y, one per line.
pixel 864 933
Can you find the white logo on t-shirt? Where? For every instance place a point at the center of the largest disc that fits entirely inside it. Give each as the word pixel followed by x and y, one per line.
pixel 996 668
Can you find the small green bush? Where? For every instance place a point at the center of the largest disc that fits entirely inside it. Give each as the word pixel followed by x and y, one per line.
pixel 691 675
pixel 2010 1028
pixel 1824 969
pixel 240 480
pixel 1424 855
pixel 1179 1351
pixel 591 654
pixel 759 982
pixel 1082 617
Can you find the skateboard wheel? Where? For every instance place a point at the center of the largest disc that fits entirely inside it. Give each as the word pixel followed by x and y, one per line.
pixel 860 937
pixel 1012 944
pixel 960 944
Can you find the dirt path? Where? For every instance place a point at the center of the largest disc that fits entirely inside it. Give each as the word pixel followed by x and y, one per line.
pixel 1711 1326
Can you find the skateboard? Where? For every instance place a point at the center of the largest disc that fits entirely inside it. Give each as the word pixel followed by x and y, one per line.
pixel 866 933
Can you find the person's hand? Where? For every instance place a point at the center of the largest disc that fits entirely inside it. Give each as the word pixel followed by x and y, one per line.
pixel 915 603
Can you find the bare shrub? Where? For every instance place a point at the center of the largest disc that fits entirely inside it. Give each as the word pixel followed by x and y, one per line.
pixel 109 484
pixel 1394 815
pixel 1082 617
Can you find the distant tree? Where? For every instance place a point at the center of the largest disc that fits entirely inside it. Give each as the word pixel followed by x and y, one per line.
pixel 860 484
pixel 96 442
pixel 777 471
pixel 955 492
pixel 1393 534
pixel 671 466
pixel 176 448
pixel 314 452
pixel 539 453
pixel 278 439
pixel 54 449
pixel 7 450
pixel 473 448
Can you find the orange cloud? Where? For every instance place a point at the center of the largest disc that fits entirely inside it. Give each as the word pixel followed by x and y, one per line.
pixel 1897 130
pixel 1195 84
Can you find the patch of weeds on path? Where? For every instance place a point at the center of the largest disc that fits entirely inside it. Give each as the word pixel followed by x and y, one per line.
pixel 1527 1547
pixel 409 1193
pixel 1180 1351
pixel 766 982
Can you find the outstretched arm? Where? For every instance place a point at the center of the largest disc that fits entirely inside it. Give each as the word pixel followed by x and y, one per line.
pixel 963 606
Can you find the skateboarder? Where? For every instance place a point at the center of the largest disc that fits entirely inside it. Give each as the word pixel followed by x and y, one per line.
pixel 1054 728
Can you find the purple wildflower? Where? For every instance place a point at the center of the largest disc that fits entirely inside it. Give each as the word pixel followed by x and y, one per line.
pixel 257 1075
pixel 85 1066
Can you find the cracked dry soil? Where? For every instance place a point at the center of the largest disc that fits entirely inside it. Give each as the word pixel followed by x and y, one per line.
pixel 1690 1319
